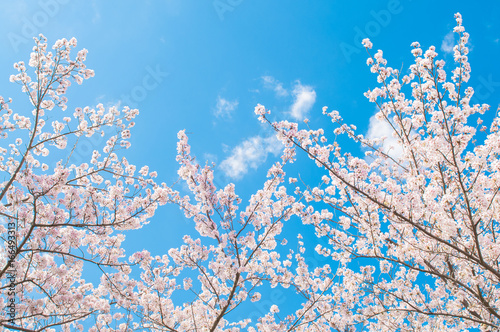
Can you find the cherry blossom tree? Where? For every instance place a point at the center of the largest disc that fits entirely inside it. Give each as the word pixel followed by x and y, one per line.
pixel 415 234
pixel 409 239
pixel 58 217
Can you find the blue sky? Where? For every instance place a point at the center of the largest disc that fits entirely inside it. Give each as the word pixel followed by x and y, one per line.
pixel 204 65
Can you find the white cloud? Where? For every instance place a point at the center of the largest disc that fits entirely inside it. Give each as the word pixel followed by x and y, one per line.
pixel 273 84
pixel 378 129
pixel 250 154
pixel 304 99
pixel 225 107
pixel 448 42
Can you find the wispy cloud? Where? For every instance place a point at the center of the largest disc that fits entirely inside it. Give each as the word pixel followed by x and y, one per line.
pixel 210 158
pixel 273 84
pixel 224 108
pixel 304 99
pixel 379 129
pixel 448 42
pixel 97 12
pixel 250 154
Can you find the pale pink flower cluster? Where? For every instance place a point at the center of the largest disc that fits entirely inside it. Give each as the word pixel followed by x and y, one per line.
pixel 367 43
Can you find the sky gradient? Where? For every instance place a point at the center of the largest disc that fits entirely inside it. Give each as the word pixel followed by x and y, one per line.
pixel 203 66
